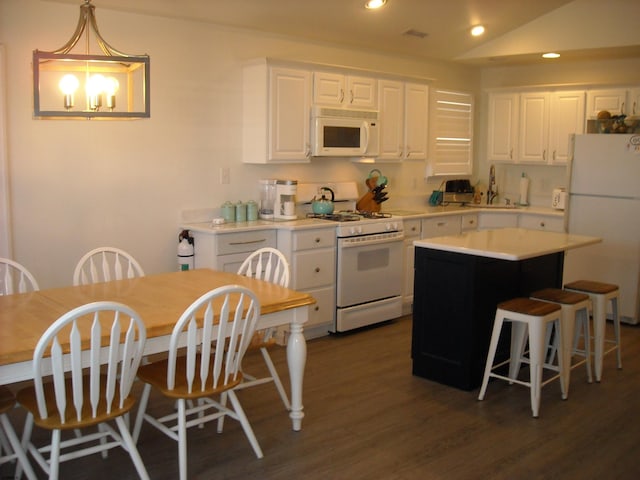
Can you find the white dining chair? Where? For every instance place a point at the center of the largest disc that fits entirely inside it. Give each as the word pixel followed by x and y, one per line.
pixel 271 265
pixel 104 264
pixel 84 385
pixel 15 278
pixel 195 370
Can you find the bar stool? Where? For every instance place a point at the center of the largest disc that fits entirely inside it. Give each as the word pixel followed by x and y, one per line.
pixel 575 322
pixel 601 293
pixel 527 316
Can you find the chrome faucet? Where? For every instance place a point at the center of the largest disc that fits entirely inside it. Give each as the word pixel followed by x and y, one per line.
pixel 492 192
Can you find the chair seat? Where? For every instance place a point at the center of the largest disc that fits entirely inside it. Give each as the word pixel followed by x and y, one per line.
pixel 27 398
pixel 591 286
pixel 155 374
pixel 559 295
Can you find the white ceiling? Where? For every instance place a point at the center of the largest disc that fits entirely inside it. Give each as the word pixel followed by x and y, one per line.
pixel 518 31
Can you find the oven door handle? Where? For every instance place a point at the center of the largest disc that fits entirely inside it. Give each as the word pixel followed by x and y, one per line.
pixel 354 242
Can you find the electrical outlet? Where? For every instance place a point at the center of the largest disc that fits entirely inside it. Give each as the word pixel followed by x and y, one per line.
pixel 225 175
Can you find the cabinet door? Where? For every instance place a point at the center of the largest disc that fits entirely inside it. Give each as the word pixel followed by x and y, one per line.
pixel 328 88
pixel 416 114
pixel 613 100
pixel 534 127
pixel 566 116
pixel 362 92
pixel 503 126
pixel 290 103
pixel 391 99
pixel 441 226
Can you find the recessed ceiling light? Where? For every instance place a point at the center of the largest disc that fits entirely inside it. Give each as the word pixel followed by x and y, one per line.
pixel 373 4
pixel 550 55
pixel 477 30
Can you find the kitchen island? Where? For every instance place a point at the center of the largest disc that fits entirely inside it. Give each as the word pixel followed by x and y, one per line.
pixel 459 281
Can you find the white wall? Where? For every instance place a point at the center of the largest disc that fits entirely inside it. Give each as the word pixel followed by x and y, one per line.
pixel 76 185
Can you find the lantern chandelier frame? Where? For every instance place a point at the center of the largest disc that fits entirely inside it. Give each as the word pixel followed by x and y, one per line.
pixel 116 84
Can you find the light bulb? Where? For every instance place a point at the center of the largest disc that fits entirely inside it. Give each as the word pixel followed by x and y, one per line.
pixel 111 86
pixel 95 87
pixel 68 85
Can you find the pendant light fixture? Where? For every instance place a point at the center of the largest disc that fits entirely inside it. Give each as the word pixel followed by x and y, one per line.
pixel 110 84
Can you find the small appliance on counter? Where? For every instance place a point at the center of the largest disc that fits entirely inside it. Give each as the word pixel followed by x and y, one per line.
pixel 458 191
pixel 285 204
pixel 559 198
pixel 267 198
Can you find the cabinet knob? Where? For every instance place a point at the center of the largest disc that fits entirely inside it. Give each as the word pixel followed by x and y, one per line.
pixel 413 229
pixel 317 308
pixel 542 224
pixel 317 239
pixel 317 269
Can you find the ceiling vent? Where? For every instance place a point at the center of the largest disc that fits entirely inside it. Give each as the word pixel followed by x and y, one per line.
pixel 415 33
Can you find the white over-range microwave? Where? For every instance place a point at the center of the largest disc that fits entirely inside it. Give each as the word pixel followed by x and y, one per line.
pixel 338 132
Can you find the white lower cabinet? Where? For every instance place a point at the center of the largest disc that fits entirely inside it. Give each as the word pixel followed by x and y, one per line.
pixel 542 222
pixel 497 220
pixel 227 251
pixel 440 226
pixel 412 231
pixel 312 259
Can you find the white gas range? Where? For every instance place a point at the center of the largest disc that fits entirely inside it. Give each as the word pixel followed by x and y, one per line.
pixel 368 262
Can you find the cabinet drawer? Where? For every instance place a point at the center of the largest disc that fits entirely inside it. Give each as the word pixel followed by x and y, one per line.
pixel 321 238
pixel 497 220
pixel 439 226
pixel 412 228
pixel 314 268
pixel 542 222
pixel 324 308
pixel 241 242
pixel 470 221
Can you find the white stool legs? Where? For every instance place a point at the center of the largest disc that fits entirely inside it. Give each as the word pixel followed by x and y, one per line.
pixel 527 317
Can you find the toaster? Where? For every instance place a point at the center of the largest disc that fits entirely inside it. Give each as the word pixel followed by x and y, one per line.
pixel 458 191
pixel 559 199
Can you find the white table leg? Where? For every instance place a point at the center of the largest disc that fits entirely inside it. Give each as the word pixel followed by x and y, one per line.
pixel 297 359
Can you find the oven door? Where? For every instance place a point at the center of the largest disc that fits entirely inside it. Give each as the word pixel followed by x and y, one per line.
pixel 369 268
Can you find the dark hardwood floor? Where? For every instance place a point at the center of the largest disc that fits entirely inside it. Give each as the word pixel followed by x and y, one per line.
pixel 367 417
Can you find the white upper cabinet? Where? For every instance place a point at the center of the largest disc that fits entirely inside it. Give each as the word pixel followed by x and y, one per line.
pixel 566 117
pixel 634 102
pixel 404 114
pixel 276 118
pixel 331 88
pixel 533 128
pixel 613 100
pixel 539 128
pixel 503 127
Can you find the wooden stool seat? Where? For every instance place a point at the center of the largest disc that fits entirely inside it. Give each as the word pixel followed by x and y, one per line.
pixel 600 294
pixel 591 287
pixel 558 295
pixel 529 319
pixel 527 306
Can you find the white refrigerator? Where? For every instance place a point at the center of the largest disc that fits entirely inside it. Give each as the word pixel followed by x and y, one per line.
pixel 604 201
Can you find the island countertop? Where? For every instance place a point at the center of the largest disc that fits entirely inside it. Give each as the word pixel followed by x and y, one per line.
pixel 507 243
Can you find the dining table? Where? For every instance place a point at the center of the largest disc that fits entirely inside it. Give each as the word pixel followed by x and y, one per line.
pixel 159 299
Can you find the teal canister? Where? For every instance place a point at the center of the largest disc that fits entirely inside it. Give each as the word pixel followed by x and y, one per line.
pixel 241 212
pixel 229 212
pixel 252 211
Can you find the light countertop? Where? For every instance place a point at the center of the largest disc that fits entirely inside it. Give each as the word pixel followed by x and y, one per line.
pixel 507 243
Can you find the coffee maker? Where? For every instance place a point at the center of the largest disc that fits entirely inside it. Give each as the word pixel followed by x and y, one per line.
pixel 285 206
